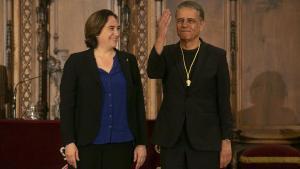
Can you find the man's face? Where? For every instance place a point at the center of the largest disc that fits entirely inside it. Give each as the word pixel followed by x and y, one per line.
pixel 188 24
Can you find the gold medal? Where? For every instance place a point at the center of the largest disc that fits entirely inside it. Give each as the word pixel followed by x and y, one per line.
pixel 188 82
pixel 188 71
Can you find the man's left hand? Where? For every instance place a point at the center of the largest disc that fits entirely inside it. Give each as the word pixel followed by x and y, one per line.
pixel 226 153
pixel 140 154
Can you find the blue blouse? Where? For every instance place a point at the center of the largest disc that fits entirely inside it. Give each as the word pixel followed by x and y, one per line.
pixel 114 125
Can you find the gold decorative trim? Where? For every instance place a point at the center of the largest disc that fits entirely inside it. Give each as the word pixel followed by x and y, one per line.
pixel 27 53
pixel 249 160
pixel 142 51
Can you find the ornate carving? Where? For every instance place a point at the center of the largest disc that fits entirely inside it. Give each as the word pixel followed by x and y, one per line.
pixel 27 52
pixel 233 54
pixel 55 67
pixel 125 25
pixel 142 53
pixel 9 56
pixel 42 14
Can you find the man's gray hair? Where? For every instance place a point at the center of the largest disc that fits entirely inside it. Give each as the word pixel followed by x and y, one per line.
pixel 193 5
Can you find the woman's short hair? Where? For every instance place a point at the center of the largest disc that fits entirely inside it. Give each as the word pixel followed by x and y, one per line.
pixel 94 26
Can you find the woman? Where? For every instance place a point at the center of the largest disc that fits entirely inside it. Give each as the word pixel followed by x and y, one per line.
pixel 102 105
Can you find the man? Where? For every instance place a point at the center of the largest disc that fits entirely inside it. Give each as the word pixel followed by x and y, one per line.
pixel 194 124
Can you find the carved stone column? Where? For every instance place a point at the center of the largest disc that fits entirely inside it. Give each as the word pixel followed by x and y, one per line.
pixel 43 38
pixel 9 57
pixel 27 39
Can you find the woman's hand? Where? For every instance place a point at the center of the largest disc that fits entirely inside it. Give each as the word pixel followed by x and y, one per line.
pixel 140 154
pixel 72 156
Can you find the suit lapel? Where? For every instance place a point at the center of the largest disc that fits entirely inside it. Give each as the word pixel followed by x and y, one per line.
pixel 92 66
pixel 202 56
pixel 125 67
pixel 179 64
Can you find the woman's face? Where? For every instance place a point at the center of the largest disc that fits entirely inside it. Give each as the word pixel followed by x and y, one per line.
pixel 109 36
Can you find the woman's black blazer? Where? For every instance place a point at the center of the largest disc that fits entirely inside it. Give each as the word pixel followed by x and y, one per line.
pixel 81 97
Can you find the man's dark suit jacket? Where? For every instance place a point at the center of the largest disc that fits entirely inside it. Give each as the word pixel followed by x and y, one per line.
pixel 81 97
pixel 205 108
